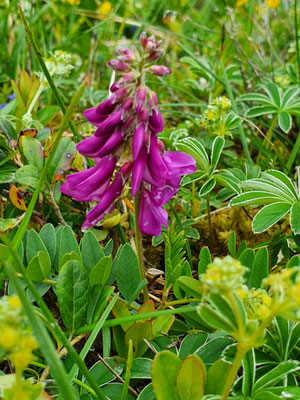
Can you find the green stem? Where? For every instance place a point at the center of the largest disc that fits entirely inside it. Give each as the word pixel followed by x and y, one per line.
pixel 234 107
pixel 268 137
pixel 138 241
pixel 35 99
pixel 293 154
pixel 138 317
pixel 128 370
pixel 233 371
pixel 187 244
pixel 297 38
pixel 19 235
pixel 209 217
pixel 46 72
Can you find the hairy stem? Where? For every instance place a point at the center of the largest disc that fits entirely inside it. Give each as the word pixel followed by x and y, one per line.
pixel 233 371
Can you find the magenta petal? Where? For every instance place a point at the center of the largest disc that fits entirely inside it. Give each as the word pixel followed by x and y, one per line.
pixel 155 163
pixel 138 140
pixel 88 223
pixel 66 189
pixel 91 146
pixel 151 217
pixel 179 162
pixel 138 170
pixel 94 117
pixel 156 123
pixel 109 124
pixel 112 143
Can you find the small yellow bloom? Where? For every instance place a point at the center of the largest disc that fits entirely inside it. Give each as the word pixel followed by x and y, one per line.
pixel 104 9
pixel 21 358
pixel 241 2
pixel 15 301
pixel 74 2
pixel 273 3
pixel 9 338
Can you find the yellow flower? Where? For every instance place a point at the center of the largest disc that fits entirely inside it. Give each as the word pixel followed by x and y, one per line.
pixel 9 338
pixel 74 2
pixel 241 2
pixel 21 358
pixel 15 301
pixel 104 9
pixel 273 3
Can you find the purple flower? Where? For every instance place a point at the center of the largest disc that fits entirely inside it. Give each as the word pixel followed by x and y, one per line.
pixel 128 123
pixel 151 215
pixel 89 185
pixel 106 203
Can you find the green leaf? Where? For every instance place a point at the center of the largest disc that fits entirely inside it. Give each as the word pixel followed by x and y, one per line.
pixel 73 294
pixel 45 114
pixel 215 319
pixel 147 393
pixel 164 372
pixel 232 244
pixel 102 374
pixel 33 151
pixel 141 368
pixel 193 147
pixel 8 130
pixel 68 257
pixel 212 350
pixel 34 244
pixel 274 376
pixel 204 260
pixel 128 273
pixel 268 216
pixel 191 377
pixel 254 198
pixel 7 223
pixel 98 297
pixel 216 377
pixel 216 152
pixel 39 267
pixel 47 234
pixel 249 370
pixel 285 121
pixel 295 219
pixel 162 324
pixel 207 187
pixel 100 272
pixel 262 110
pixel 273 92
pixel 260 268
pixel 191 287
pixel 28 175
pixel 62 159
pixel 90 250
pixel 67 242
pixel 191 343
pixel 137 333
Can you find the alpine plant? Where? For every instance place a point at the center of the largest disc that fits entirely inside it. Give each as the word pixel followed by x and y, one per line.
pixel 126 144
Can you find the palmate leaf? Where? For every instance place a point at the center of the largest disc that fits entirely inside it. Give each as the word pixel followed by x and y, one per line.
pixel 261 110
pixel 295 218
pixel 258 97
pixel 281 180
pixel 273 94
pixel 193 147
pixel 285 121
pixel 255 198
pixel 268 216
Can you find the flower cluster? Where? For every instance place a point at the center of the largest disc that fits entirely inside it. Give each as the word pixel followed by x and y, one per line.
pixel 257 302
pixel 224 275
pixel 214 117
pixel 17 341
pixel 128 123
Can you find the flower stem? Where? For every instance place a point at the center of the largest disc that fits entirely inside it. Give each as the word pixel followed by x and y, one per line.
pixel 138 241
pixel 233 371
pixel 209 218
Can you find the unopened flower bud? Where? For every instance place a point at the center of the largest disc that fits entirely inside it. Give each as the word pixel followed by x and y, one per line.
pixel 155 55
pixel 125 55
pixel 118 66
pixel 160 70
